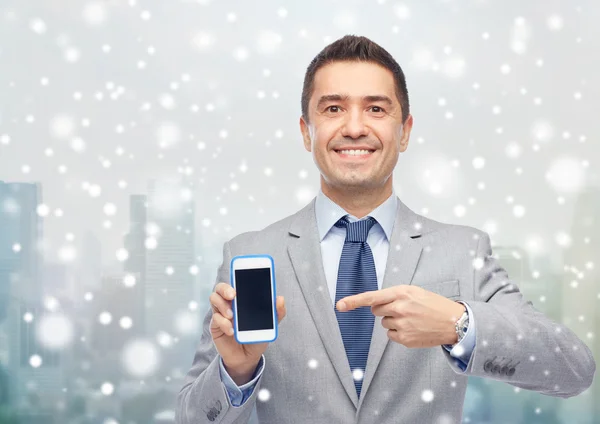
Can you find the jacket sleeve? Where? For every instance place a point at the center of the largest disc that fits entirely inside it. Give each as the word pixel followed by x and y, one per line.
pixel 515 342
pixel 203 398
pixel 240 394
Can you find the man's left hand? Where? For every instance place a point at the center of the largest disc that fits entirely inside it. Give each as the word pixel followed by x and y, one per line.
pixel 414 317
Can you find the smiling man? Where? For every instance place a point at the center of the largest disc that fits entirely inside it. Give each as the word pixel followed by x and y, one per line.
pixel 387 312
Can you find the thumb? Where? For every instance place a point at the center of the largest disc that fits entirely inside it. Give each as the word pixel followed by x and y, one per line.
pixel 280 308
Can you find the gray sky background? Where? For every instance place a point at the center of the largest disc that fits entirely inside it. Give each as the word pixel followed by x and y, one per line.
pixel 504 96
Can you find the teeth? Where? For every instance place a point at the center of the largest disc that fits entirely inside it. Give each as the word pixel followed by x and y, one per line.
pixel 354 152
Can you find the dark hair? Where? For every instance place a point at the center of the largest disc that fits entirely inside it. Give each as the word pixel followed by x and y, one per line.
pixel 355 48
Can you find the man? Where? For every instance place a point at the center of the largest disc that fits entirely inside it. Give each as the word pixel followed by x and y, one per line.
pixel 386 312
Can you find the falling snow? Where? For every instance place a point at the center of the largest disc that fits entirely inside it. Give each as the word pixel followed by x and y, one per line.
pixel 201 118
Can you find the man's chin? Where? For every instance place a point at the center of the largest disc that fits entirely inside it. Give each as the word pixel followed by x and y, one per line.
pixel 351 183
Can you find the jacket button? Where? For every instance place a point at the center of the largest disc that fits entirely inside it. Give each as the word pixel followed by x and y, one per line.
pixel 496 369
pixel 487 366
pixel 511 372
pixel 504 370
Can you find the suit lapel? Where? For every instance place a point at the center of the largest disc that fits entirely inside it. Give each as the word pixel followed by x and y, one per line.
pixel 304 250
pixel 305 253
pixel 403 256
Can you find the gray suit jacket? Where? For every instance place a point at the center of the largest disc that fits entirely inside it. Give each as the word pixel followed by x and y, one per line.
pixel 515 343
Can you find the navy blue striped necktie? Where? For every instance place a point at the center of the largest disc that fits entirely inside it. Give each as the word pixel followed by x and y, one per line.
pixel 356 275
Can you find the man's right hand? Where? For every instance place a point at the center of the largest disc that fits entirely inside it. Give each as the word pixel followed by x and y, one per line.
pixel 240 360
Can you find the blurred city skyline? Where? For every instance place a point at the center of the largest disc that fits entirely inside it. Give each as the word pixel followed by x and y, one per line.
pixel 84 339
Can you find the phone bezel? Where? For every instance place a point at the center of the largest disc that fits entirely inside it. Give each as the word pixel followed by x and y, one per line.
pixel 250 262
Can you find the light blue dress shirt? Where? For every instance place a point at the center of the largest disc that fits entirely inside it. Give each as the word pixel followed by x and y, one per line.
pixel 332 242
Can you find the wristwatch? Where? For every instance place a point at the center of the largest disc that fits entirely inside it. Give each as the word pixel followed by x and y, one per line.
pixel 461 325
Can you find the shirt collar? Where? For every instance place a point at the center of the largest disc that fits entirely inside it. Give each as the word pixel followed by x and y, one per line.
pixel 328 212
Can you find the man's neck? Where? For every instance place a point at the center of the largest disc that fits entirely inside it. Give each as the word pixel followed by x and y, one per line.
pixel 358 201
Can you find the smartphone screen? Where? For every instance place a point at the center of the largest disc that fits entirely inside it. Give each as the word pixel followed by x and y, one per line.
pixel 254 300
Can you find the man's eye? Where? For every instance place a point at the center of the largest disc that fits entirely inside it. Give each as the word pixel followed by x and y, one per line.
pixel 377 109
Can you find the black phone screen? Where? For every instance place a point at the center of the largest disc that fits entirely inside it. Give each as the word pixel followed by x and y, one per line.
pixel 254 301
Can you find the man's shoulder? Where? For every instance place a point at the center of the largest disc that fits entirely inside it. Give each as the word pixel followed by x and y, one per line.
pixel 449 230
pixel 274 231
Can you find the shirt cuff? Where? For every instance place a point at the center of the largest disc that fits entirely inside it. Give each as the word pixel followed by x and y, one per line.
pixel 239 394
pixel 464 349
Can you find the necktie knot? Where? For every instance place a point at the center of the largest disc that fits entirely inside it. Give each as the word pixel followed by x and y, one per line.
pixel 356 231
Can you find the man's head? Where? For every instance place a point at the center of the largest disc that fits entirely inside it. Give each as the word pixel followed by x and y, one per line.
pixel 355 96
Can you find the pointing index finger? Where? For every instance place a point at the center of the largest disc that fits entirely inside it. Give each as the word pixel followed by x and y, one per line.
pixel 369 298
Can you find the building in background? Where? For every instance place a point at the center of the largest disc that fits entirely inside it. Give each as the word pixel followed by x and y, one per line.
pixel 36 371
pixel 90 265
pixel 116 313
pixel 134 243
pixel 20 256
pixel 581 288
pixel 21 293
pixel 169 243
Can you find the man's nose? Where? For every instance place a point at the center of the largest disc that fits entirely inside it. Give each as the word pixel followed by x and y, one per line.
pixel 354 125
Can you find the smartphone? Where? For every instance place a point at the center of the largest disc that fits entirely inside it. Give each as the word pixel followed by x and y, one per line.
pixel 254 305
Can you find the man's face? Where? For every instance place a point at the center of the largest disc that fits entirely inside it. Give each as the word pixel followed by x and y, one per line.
pixel 354 106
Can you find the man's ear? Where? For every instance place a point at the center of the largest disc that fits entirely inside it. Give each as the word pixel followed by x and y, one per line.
pixel 305 134
pixel 406 129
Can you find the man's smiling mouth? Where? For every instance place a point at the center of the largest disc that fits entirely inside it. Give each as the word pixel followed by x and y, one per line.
pixel 354 153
